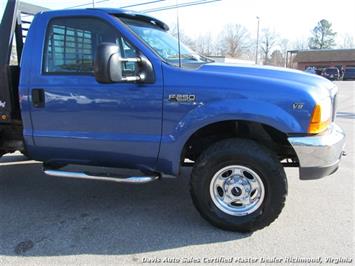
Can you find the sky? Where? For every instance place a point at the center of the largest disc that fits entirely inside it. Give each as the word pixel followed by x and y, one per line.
pixel 291 19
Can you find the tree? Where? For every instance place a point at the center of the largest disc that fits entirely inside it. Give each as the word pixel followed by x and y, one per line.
pixel 277 58
pixel 300 44
pixel 284 45
pixel 348 42
pixel 205 45
pixel 323 37
pixel 183 37
pixel 268 42
pixel 235 40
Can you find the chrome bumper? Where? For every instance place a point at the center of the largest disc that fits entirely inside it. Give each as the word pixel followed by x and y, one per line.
pixel 319 155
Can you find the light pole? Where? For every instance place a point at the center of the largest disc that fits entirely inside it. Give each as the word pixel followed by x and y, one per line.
pixel 257 41
pixel 93 3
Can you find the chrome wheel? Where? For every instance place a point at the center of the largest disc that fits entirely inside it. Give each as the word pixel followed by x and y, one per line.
pixel 237 190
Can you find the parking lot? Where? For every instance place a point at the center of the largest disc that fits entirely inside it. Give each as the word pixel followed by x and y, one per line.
pixel 47 220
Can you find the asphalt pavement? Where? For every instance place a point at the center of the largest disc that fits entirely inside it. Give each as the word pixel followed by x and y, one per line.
pixel 57 221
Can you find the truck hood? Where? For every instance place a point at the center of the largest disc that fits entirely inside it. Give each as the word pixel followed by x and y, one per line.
pixel 287 78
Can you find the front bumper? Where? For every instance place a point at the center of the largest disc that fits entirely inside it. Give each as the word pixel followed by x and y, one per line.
pixel 319 155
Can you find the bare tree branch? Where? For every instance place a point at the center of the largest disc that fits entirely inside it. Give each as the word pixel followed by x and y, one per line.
pixel 268 42
pixel 235 40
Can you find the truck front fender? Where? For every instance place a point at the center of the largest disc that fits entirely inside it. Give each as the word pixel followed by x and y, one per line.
pixel 203 115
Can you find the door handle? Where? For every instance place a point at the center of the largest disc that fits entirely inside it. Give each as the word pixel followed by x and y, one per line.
pixel 38 98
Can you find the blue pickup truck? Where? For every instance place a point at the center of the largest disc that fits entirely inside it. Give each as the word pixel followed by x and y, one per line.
pixel 112 88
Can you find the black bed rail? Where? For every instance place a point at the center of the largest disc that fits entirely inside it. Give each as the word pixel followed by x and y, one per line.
pixel 14 24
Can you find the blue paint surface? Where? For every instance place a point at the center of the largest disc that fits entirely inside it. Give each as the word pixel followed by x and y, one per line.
pixel 134 125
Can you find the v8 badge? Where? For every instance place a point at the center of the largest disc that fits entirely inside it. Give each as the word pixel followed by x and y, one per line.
pixel 298 106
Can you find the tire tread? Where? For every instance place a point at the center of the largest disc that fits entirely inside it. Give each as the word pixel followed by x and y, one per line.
pixel 252 149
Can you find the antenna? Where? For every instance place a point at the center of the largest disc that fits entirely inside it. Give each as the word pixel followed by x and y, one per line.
pixel 178 31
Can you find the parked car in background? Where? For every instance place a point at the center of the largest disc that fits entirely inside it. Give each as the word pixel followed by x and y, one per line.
pixel 331 73
pixel 349 73
pixel 311 70
pixel 319 71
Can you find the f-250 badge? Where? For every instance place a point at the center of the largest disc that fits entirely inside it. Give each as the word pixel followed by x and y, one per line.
pixel 182 97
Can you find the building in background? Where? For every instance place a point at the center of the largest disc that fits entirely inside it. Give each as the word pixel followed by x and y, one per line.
pixel 321 59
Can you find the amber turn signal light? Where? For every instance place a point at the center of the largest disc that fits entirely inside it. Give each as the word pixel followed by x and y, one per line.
pixel 317 125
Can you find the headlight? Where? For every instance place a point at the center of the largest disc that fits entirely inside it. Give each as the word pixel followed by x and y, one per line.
pixel 321 116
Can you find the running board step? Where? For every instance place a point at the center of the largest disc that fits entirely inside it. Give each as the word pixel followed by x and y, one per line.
pixel 80 175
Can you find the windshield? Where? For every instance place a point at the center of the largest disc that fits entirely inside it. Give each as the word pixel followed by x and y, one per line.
pixel 164 44
pixel 331 70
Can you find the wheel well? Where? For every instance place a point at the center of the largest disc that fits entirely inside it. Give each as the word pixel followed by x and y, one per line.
pixel 261 133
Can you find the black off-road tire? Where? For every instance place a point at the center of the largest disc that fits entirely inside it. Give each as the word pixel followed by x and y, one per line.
pixel 246 153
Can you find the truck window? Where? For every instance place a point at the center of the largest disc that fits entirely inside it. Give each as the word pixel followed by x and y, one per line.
pixel 71 45
pixel 164 44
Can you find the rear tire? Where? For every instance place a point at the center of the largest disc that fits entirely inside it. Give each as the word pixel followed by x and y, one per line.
pixel 238 185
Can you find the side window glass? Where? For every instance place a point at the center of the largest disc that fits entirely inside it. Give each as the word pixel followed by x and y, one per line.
pixel 71 45
pixel 127 51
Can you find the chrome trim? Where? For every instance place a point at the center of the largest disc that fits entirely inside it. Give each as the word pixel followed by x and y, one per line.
pixel 334 107
pixel 333 97
pixel 320 150
pixel 80 175
pixel 237 190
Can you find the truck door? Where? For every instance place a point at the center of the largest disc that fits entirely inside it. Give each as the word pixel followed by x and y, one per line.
pixel 76 118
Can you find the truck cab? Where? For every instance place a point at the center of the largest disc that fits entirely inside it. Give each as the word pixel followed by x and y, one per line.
pixel 110 87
